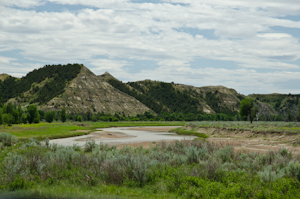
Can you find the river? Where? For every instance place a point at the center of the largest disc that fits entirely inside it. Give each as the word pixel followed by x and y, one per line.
pixel 124 135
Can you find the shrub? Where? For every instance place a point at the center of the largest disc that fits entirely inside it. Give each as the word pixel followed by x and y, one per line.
pixel 8 139
pixel 268 176
pixel 89 145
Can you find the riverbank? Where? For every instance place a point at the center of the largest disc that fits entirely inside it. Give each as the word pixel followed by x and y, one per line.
pixel 57 130
pixel 126 136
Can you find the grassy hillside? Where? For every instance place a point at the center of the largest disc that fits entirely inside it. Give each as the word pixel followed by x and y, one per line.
pixel 3 76
pixel 39 86
pixel 280 102
pixel 177 98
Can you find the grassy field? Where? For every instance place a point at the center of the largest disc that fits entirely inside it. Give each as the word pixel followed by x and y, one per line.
pixel 184 169
pixel 260 127
pixel 55 130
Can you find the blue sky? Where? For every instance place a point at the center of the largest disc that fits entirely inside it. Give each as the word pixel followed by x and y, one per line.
pixel 250 45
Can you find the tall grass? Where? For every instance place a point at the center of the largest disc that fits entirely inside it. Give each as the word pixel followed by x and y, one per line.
pixel 184 169
pixel 265 127
pixel 182 131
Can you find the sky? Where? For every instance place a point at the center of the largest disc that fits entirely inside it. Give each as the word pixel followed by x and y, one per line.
pixel 249 45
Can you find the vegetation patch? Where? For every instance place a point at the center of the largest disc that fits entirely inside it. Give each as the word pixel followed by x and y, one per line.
pixel 56 130
pixel 182 131
pixel 184 169
pixel 42 131
pixel 58 76
pixel 255 127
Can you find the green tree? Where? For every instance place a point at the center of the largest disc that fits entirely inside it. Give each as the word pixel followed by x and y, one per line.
pixel 248 108
pixel 8 119
pixel 33 114
pixel 24 119
pixel 63 115
pixel 103 118
pixel 94 118
pixel 79 118
pixel 42 114
pixel 49 116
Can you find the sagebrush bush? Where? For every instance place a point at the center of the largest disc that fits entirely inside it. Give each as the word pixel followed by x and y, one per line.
pixel 268 175
pixel 89 145
pixel 7 139
pixel 187 168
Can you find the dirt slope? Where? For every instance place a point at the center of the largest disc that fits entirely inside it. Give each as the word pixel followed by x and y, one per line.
pixel 88 92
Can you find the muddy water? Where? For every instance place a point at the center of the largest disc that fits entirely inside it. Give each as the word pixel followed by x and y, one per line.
pixel 123 135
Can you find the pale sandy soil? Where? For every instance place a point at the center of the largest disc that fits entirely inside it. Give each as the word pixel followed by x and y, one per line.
pixel 98 135
pixel 120 136
pixel 254 142
pixel 144 144
pixel 155 128
pixel 241 140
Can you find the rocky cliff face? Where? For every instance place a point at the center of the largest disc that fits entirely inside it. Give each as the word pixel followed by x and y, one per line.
pixel 88 92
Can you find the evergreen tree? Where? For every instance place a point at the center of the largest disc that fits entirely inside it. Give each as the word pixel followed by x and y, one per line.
pixel 42 114
pixel 33 114
pixel 79 118
pixel 49 116
pixel 63 115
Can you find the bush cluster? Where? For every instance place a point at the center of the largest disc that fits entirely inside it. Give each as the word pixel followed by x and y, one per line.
pixel 13 114
pixel 189 169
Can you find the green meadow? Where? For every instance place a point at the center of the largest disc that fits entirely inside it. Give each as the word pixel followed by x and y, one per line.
pixel 56 130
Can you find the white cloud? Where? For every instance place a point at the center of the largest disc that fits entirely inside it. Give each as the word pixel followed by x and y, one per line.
pixel 115 67
pixel 22 3
pixel 241 79
pixel 122 30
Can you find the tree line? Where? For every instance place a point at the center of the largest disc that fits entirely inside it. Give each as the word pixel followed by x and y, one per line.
pixel 13 114
pixel 249 111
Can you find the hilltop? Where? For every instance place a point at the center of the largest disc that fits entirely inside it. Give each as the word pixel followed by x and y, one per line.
pixel 72 86
pixel 3 76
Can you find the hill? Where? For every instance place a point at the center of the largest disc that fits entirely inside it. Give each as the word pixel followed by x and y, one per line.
pixel 79 90
pixel 3 76
pixel 170 97
pixel 72 86
pixel 39 85
pixel 283 104
pixel 178 98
